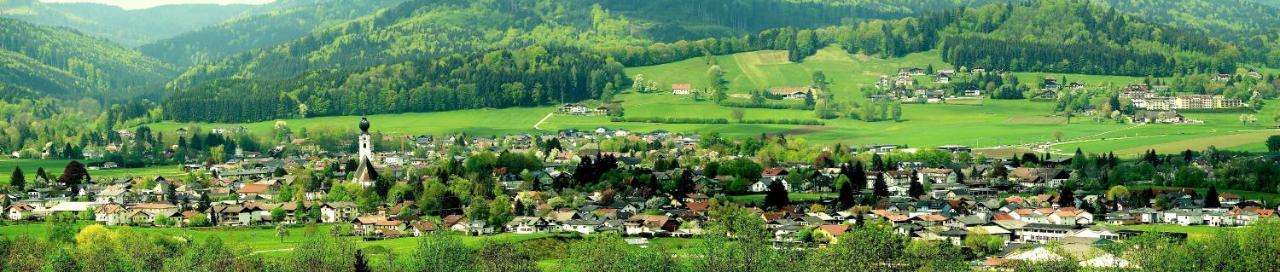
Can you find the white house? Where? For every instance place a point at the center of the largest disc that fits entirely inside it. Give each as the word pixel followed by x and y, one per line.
pixel 20 211
pixel 337 211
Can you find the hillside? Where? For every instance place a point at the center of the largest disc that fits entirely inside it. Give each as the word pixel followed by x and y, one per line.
pixel 60 62
pixel 377 61
pixel 1075 37
pixel 128 27
pixel 257 31
pixel 423 29
pixel 1251 24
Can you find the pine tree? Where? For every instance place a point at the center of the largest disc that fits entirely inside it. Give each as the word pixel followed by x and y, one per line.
pixel 877 163
pixel 17 179
pixel 880 189
pixel 916 190
pixel 1066 198
pixel 777 197
pixel 846 199
pixel 1211 198
pixel 361 265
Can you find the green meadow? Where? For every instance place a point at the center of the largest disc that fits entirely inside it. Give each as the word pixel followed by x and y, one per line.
pixel 983 123
pixel 263 240
pixel 54 167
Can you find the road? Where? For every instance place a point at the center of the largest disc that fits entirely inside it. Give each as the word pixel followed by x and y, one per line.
pixel 544 119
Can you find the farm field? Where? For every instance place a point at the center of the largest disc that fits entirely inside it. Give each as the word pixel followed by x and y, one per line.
pixel 263 240
pixel 794 197
pixel 478 122
pixel 987 123
pixel 55 167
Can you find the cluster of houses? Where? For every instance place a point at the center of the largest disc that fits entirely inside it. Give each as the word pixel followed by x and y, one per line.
pixel 245 192
pixel 904 87
pixel 1144 98
pixel 580 109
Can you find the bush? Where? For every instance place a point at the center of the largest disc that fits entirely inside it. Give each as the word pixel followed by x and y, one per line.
pixel 670 120
pixel 807 122
pixel 765 105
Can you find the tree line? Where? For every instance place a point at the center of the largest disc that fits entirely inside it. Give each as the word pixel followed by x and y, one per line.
pixel 530 76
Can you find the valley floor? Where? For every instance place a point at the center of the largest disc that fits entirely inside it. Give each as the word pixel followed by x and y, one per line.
pixel 982 124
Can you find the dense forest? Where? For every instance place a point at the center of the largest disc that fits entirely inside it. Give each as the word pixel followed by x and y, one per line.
pixel 1075 37
pixel 500 78
pixel 127 27
pixel 1252 25
pixel 238 35
pixel 64 63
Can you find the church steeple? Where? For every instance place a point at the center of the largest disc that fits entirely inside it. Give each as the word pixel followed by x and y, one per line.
pixel 365 174
pixel 364 125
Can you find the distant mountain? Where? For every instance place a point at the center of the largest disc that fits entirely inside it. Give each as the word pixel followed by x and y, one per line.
pixel 285 22
pixel 54 61
pixel 128 27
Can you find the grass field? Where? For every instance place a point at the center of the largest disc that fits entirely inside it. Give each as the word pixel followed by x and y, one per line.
pixel 794 197
pixel 1193 232
pixel 264 240
pixel 55 167
pixel 985 123
pixel 478 122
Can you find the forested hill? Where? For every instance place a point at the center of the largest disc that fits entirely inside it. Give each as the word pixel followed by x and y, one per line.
pixel 60 62
pixel 1254 27
pixel 1273 3
pixel 571 50
pixel 1075 37
pixel 673 20
pixel 288 22
pixel 422 29
pixel 128 27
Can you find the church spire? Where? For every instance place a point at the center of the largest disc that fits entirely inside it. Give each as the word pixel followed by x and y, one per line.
pixel 364 124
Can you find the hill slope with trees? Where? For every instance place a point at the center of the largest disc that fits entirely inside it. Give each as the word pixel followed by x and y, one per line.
pixel 59 62
pixel 257 31
pixel 128 27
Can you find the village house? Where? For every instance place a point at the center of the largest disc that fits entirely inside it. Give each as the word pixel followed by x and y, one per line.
pixel 768 177
pixel 337 211
pixel 681 89
pixel 420 228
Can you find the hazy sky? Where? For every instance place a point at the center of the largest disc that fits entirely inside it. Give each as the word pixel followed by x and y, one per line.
pixel 141 4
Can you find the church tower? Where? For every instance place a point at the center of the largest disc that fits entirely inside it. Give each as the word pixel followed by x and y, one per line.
pixel 366 148
pixel 365 174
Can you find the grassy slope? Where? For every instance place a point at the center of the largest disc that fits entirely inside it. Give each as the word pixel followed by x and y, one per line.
pixel 54 167
pixel 991 123
pixel 1015 121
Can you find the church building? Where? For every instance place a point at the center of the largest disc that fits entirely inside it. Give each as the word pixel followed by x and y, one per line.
pixel 365 174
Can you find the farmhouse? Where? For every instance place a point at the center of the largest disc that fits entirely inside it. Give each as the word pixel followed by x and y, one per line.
pixel 681 89
pixel 792 93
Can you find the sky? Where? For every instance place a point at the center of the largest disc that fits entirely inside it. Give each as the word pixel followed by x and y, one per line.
pixel 142 4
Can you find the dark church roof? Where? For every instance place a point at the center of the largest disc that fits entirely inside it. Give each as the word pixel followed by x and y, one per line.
pixel 365 172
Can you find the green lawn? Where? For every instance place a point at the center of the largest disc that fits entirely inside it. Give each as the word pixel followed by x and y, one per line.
pixel 263 240
pixel 54 167
pixel 485 122
pixel 1193 232
pixel 794 197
